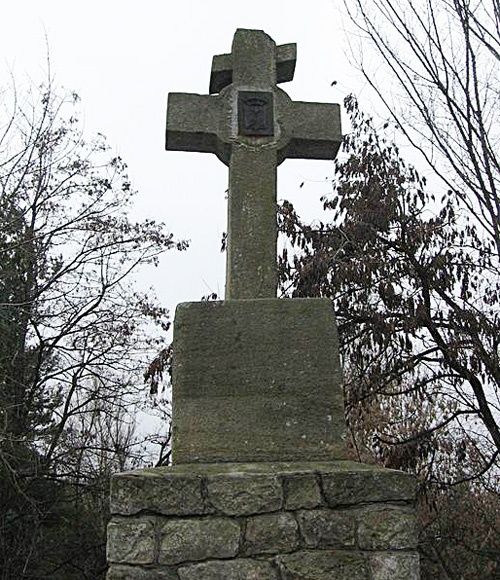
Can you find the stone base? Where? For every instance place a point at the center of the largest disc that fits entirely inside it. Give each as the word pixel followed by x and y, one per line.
pixel 263 521
pixel 257 380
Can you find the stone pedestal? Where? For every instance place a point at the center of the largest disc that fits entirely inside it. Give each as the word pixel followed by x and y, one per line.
pixel 257 380
pixel 256 383
pixel 263 521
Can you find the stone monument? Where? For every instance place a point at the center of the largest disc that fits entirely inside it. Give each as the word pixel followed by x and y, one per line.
pixel 261 487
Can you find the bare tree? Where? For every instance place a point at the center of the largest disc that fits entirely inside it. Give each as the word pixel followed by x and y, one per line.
pixel 76 334
pixel 444 58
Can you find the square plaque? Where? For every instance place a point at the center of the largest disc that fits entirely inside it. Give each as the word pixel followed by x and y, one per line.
pixel 255 114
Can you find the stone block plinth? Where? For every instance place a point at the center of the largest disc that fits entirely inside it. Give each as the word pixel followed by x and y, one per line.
pixel 263 521
pixel 257 380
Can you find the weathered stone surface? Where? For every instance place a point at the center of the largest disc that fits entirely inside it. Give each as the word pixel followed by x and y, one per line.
pixel 271 534
pixel 271 468
pixel 239 569
pixel 200 122
pixel 198 539
pixel 257 379
pixel 214 124
pixel 328 546
pixel 257 372
pixel 365 486
pixel 327 528
pixel 138 573
pixel 302 491
pixel 395 566
pixel 387 528
pixel 240 494
pixel 222 67
pixel 323 565
pixel 252 230
pixel 131 541
pixel 156 490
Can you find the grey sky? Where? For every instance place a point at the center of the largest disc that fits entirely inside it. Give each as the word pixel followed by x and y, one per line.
pixel 123 57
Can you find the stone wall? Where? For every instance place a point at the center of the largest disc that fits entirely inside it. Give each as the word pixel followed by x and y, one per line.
pixel 281 521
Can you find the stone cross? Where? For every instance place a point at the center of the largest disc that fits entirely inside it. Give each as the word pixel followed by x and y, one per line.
pixel 252 126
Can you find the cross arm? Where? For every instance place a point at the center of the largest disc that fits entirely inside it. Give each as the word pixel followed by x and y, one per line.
pixel 315 131
pixel 222 67
pixel 192 122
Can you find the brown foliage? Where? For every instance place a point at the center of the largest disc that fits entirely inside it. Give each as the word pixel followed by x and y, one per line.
pixel 415 284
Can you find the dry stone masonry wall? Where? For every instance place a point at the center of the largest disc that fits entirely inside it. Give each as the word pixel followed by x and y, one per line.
pixel 271 521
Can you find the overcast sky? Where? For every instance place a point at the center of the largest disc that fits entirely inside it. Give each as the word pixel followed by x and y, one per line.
pixel 123 57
